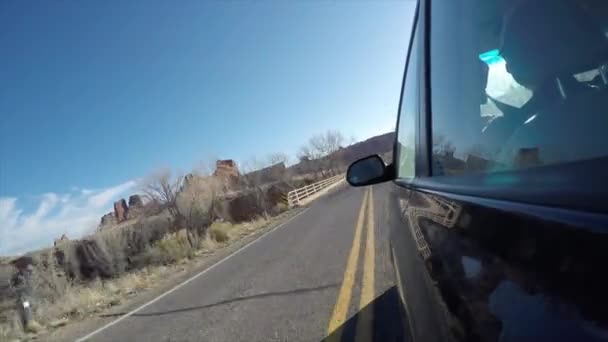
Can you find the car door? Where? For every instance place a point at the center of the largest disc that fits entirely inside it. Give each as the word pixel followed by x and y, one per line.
pixel 416 288
pixel 498 209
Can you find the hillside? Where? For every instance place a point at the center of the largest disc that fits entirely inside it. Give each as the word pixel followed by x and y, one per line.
pixel 380 144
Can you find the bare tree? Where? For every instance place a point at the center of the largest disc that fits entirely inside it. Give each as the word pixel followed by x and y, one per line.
pixel 306 153
pixel 326 143
pixel 163 189
pixel 250 170
pixel 322 148
pixel 252 164
pixel 196 203
pixel 254 182
pixel 352 140
pixel 278 157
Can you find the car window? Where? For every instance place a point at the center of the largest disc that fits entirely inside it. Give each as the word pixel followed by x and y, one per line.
pixel 517 84
pixel 406 135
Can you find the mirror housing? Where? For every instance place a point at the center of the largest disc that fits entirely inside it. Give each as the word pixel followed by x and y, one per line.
pixel 369 170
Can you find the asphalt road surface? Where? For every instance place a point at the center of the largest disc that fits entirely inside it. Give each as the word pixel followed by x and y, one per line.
pixel 323 275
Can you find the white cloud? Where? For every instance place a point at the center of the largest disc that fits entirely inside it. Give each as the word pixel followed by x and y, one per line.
pixel 72 214
pixel 8 212
pixel 86 191
pixel 104 197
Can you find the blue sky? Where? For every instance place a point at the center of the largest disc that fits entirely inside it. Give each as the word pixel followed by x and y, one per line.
pixel 98 94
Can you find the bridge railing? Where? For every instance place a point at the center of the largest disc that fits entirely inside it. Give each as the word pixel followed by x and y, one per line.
pixel 295 197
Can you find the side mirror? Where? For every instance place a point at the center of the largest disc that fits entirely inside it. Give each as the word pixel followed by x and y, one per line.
pixel 369 170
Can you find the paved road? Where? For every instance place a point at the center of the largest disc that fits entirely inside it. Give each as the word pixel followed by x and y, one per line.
pixel 308 280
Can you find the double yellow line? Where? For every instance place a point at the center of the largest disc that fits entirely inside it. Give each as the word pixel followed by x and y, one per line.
pixel 364 328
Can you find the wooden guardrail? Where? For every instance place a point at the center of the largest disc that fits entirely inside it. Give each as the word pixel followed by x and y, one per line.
pixel 295 196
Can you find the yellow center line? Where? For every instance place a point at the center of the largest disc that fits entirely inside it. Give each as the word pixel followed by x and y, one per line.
pixel 365 321
pixel 338 317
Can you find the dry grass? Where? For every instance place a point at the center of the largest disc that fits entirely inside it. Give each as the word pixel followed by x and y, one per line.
pixel 62 301
pixel 83 300
pixel 235 231
pixel 219 231
pixel 80 301
pixel 177 247
pixel 281 207
pixel 172 248
pixel 8 332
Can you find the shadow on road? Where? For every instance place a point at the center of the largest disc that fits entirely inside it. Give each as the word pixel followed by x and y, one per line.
pixel 388 321
pixel 227 301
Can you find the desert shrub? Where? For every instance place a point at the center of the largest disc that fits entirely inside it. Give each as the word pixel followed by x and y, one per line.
pixel 196 203
pixel 49 280
pixel 124 248
pixel 174 248
pixel 220 236
pixel 219 231
pixel 113 246
pixel 170 249
pixel 146 232
pixel 280 207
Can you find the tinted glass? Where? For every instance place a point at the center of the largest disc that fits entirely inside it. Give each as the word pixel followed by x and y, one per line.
pixel 407 121
pixel 517 84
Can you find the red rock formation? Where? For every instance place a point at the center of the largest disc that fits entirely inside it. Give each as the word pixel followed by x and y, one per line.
pixel 120 210
pixel 227 171
pixel 136 207
pixel 135 201
pixel 108 219
pixel 226 168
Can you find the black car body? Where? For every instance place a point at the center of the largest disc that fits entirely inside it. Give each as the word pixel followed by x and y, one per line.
pixel 499 224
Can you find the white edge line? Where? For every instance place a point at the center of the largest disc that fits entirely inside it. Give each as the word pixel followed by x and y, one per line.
pixel 178 286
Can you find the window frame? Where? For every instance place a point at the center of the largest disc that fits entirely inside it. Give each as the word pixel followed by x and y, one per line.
pixel 416 29
pixel 537 191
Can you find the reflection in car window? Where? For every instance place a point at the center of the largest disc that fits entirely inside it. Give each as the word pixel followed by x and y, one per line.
pixel 500 85
pixel 517 84
pixel 407 119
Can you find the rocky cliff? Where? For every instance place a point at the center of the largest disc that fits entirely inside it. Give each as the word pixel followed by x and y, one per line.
pixel 123 211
